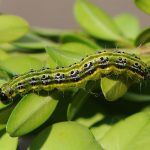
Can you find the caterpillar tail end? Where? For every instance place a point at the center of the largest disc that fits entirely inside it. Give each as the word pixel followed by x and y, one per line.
pixel 3 98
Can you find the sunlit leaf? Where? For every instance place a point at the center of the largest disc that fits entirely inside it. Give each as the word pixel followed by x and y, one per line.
pixel 65 136
pixel 77 48
pixel 30 113
pixel 128 24
pixel 58 57
pixel 144 5
pixel 143 37
pixel 12 28
pixel 134 129
pixel 95 21
pixel 77 38
pixel 32 42
pixel 113 89
pixel 8 143
pixel 20 64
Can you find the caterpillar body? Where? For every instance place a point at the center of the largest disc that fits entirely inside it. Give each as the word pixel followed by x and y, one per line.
pixel 92 67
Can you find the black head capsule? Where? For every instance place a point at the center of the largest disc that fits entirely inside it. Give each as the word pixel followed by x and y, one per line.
pixel 3 98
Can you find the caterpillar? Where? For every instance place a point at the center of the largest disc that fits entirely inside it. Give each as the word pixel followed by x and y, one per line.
pixel 92 67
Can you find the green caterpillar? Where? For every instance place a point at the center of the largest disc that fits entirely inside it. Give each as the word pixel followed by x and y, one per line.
pixel 92 67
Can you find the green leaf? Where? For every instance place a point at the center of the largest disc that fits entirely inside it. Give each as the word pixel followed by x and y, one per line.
pixel 78 38
pixel 46 32
pixel 30 113
pixel 92 112
pixel 89 121
pixel 7 47
pixel 77 101
pixel 113 89
pixel 65 36
pixel 20 64
pixel 143 37
pixel 65 136
pixel 144 5
pixel 3 55
pixel 58 57
pixel 2 105
pixel 12 28
pixel 128 24
pixel 77 48
pixel 32 42
pixel 138 97
pixel 3 77
pixel 131 133
pixel 4 115
pixel 8 143
pixel 100 129
pixel 95 21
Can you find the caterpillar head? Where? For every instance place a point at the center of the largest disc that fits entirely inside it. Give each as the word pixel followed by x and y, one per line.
pixel 3 97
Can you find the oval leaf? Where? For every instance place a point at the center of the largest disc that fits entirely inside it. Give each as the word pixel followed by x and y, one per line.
pixel 113 89
pixel 65 136
pixel 8 143
pixel 133 130
pixel 3 55
pixel 128 24
pixel 143 37
pixel 47 32
pixel 143 5
pixel 4 115
pixel 12 28
pixel 30 113
pixel 4 77
pixel 108 122
pixel 69 38
pixel 95 21
pixel 20 64
pixel 32 42
pixel 77 101
pixel 77 48
pixel 138 97
pixel 58 57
